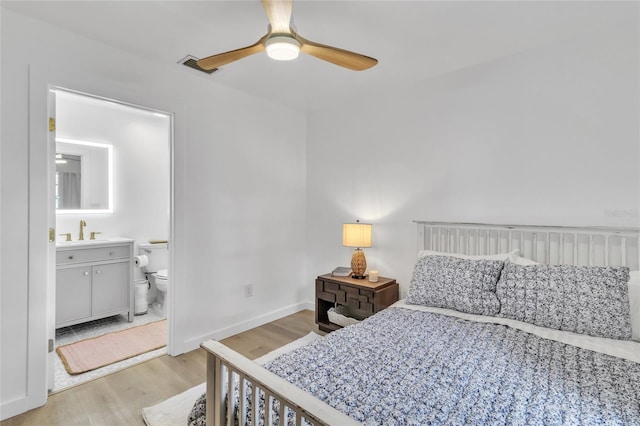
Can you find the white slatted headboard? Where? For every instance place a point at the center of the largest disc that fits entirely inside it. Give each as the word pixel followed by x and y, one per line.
pixel 601 246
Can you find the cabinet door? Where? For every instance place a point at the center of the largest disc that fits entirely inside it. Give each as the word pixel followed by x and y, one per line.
pixel 110 288
pixel 73 294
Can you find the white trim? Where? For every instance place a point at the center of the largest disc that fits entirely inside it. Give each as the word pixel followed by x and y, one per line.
pixel 172 348
pixel 223 333
pixel 39 246
pixel 14 407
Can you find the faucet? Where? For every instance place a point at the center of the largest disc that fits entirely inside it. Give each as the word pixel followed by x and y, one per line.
pixel 82 223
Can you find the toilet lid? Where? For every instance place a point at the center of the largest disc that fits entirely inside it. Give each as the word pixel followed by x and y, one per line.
pixel 162 273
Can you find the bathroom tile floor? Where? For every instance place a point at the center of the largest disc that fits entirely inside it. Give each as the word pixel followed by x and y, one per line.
pixel 96 328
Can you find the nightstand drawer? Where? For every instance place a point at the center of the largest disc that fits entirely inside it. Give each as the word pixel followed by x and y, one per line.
pixel 329 292
pixel 367 293
pixel 349 289
pixel 329 297
pixel 333 287
pixel 355 297
pixel 361 303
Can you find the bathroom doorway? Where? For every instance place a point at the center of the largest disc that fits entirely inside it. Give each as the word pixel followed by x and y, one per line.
pixel 112 181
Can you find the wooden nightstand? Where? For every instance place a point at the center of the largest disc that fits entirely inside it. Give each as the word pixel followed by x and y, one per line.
pixel 361 296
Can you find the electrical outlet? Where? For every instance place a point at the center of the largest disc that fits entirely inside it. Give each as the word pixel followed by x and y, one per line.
pixel 248 290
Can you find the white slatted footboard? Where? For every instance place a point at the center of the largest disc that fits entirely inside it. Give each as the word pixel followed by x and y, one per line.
pixel 227 370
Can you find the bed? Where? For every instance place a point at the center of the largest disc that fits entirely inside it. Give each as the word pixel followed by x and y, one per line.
pixel 501 325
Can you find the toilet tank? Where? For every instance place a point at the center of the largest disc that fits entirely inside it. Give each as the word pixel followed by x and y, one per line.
pixel 158 255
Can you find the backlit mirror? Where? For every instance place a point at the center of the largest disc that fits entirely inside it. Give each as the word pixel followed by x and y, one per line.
pixel 83 177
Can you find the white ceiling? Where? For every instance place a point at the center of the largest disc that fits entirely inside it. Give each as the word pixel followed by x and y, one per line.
pixel 413 40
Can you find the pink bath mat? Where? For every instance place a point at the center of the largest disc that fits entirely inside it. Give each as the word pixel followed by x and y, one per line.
pixel 89 354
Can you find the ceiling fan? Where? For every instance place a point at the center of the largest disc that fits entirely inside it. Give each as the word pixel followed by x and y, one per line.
pixel 282 43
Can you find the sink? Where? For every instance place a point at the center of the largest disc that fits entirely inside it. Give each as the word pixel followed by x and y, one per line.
pixel 71 243
pixel 90 242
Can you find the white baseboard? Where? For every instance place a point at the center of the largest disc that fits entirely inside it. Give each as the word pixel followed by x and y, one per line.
pixel 223 333
pixel 14 407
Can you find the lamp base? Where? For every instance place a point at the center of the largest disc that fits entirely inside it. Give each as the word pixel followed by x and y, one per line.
pixel 358 264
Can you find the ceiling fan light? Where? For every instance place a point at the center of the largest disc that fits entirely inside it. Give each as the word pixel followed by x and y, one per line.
pixel 282 48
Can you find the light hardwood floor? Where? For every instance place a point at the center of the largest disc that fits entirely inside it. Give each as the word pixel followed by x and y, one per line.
pixel 117 399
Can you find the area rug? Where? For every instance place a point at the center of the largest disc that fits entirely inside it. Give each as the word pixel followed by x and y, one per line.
pixel 96 352
pixel 175 410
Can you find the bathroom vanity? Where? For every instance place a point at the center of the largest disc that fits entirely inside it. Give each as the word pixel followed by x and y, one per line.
pixel 94 279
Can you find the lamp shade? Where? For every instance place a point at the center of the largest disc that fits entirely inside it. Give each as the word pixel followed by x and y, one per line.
pixel 356 235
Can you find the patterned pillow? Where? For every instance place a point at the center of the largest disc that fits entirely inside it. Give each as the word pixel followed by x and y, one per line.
pixel 591 300
pixel 465 285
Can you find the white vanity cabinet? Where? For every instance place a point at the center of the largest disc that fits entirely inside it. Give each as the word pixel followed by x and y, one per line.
pixel 93 280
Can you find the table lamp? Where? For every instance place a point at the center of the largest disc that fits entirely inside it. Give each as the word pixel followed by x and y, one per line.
pixel 357 235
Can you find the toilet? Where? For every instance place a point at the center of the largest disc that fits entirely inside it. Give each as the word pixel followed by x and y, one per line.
pixel 156 271
pixel 161 282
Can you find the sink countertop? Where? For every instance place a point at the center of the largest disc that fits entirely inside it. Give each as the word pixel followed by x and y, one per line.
pixel 91 243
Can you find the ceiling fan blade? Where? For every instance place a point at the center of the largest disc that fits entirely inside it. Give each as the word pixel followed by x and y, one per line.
pixel 279 14
pixel 344 58
pixel 216 61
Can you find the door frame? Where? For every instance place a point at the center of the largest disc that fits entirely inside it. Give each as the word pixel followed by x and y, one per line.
pixel 42 210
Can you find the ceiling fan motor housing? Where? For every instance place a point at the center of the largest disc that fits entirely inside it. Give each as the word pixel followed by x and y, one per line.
pixel 282 47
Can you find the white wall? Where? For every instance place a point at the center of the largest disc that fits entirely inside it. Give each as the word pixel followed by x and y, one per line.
pixel 549 137
pixel 141 164
pixel 239 191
